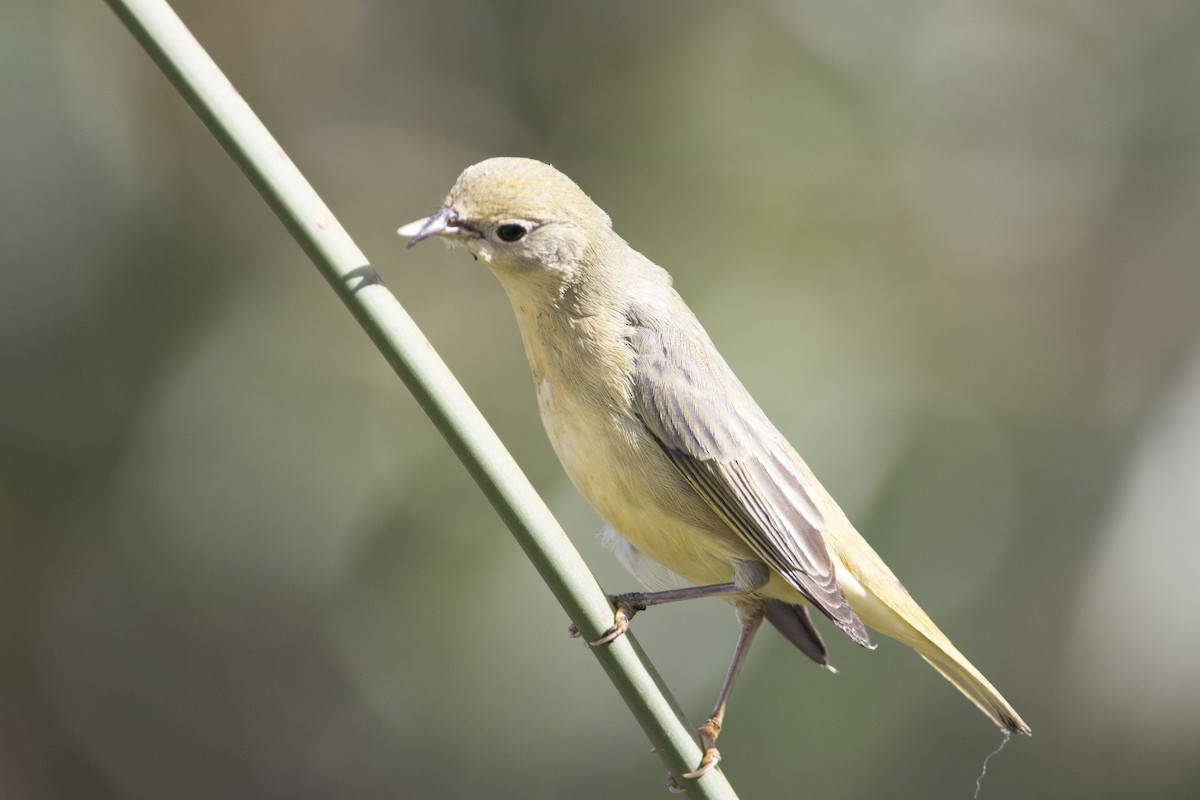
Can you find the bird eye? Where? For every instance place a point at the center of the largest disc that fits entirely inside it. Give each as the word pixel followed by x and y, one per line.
pixel 511 232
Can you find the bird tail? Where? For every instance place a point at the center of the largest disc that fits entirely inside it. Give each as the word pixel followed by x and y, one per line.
pixel 955 668
pixel 883 603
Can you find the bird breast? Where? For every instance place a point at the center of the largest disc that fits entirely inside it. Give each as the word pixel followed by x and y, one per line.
pixel 585 403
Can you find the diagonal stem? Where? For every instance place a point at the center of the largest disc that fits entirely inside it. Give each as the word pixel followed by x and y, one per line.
pixel 201 83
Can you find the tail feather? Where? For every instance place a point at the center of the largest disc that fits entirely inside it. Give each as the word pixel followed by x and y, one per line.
pixel 884 605
pixel 955 668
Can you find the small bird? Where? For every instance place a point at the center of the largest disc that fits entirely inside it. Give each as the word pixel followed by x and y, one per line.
pixel 698 490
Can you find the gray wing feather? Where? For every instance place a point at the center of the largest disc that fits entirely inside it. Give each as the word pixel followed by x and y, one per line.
pixel 796 626
pixel 733 457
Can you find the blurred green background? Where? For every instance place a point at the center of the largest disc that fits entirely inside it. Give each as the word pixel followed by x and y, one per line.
pixel 951 247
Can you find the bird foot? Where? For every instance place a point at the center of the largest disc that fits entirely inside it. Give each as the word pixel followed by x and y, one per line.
pixel 709 732
pixel 710 759
pixel 627 605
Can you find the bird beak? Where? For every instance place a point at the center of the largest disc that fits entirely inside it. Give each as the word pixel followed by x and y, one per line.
pixel 444 222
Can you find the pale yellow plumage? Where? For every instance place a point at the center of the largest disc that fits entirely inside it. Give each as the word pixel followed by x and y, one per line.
pixel 658 434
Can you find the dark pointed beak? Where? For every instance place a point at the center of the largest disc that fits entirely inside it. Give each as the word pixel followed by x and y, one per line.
pixel 444 222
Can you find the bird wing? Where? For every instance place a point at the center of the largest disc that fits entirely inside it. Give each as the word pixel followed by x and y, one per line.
pixel 733 457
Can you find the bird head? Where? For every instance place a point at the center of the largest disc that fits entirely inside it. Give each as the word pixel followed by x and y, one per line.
pixel 516 215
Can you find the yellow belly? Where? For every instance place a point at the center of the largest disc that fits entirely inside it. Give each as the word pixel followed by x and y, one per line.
pixel 626 477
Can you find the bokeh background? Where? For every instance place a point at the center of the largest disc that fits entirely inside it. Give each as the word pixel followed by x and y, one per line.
pixel 951 247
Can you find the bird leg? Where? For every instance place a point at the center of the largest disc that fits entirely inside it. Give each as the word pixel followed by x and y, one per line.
pixel 751 615
pixel 630 603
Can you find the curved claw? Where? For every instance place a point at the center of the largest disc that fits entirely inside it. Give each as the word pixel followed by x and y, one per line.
pixel 619 627
pixel 710 759
pixel 621 617
pixel 673 785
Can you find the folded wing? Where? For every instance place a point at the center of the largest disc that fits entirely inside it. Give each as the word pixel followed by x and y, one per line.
pixel 733 457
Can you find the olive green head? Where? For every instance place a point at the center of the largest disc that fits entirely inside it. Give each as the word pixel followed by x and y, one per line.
pixel 515 213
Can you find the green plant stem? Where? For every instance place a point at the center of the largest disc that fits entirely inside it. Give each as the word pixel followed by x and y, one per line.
pixel 264 163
